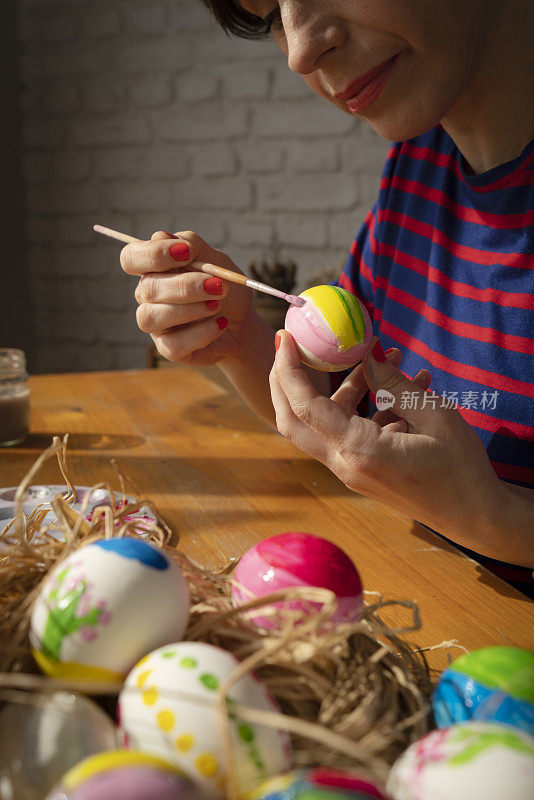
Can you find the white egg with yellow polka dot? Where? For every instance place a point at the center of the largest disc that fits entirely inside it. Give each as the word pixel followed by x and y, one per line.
pixel 168 708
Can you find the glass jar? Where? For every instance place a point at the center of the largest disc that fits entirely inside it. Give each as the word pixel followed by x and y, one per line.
pixel 14 397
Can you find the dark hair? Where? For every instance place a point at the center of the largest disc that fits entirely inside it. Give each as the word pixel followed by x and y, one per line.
pixel 234 19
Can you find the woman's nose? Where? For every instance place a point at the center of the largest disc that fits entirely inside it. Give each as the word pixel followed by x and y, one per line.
pixel 308 42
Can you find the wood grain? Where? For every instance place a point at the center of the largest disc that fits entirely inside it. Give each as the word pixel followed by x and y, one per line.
pixel 223 480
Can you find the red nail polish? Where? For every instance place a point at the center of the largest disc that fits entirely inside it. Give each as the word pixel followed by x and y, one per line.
pixel 378 353
pixel 277 340
pixel 213 286
pixel 212 304
pixel 180 252
pixel 390 350
pixel 222 322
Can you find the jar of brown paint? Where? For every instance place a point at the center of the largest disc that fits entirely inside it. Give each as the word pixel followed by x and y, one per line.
pixel 14 397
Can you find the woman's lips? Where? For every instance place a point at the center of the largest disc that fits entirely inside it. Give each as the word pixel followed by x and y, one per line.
pixel 364 90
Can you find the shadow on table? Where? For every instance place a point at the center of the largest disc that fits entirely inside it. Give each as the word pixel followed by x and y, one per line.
pixel 81 441
pixel 431 538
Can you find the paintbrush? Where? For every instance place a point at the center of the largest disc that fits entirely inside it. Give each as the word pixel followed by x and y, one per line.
pixel 212 269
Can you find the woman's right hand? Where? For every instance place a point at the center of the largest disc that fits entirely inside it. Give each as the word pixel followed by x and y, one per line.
pixel 193 318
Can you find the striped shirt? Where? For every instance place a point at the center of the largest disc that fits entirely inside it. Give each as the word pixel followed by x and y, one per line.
pixel 444 263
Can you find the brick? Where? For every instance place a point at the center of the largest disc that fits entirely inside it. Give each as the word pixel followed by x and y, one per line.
pixel 51 200
pixel 191 16
pixel 253 231
pixel 71 167
pixel 306 118
pixel 364 150
pixel 102 97
pixel 113 294
pixel 302 230
pixel 146 18
pixel 128 129
pixel 317 156
pixel 144 225
pixel 133 357
pixel 245 83
pixel 78 230
pixel 289 86
pixel 43 134
pixel 135 196
pixel 258 157
pixel 37 167
pixel 96 358
pixel 307 193
pixel 343 228
pixel 40 230
pixel 205 124
pixel 103 21
pixel 78 261
pixel 197 85
pixel 213 159
pixel 165 161
pixel 118 162
pixel 118 327
pixel 60 27
pixel 223 194
pixel 219 48
pixel 211 227
pixel 78 58
pixel 155 55
pixel 61 99
pixel 151 90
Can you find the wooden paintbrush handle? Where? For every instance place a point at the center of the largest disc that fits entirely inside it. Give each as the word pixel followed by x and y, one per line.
pixel 219 272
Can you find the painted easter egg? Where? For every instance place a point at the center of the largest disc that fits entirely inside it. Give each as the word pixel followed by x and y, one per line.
pixel 44 735
pixel 319 783
pixel 105 606
pixel 473 759
pixel 124 775
pixel 495 684
pixel 332 329
pixel 298 559
pixel 168 707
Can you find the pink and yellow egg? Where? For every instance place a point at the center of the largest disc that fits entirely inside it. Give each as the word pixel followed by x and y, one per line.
pixel 332 330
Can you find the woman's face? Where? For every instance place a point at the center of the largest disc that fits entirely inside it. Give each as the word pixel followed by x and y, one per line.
pixel 400 64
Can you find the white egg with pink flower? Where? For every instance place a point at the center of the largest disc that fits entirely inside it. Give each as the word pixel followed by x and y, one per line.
pixel 105 606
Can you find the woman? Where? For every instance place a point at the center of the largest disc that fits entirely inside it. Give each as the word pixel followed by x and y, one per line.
pixel 444 264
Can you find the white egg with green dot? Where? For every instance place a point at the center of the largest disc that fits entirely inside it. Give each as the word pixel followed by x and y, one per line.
pixel 168 708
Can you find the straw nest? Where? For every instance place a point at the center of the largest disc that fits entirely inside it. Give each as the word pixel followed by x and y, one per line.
pixel 352 696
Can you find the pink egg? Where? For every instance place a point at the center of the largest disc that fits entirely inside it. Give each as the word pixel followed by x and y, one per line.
pixel 332 330
pixel 298 559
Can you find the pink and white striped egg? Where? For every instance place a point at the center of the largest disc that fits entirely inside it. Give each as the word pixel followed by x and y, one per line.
pixel 298 559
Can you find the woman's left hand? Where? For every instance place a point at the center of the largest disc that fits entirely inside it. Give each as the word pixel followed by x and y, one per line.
pixel 429 464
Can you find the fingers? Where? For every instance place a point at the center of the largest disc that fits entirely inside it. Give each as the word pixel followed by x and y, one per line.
pixel 352 391
pixel 159 317
pixel 179 287
pixel 157 255
pixel 177 344
pixel 291 427
pixel 386 419
pixel 325 417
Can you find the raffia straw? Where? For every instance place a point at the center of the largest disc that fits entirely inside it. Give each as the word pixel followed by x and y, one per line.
pixel 351 696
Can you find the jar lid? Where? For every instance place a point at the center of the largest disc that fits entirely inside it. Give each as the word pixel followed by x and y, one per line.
pixel 12 363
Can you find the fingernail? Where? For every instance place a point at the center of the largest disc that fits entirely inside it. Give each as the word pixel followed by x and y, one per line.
pixel 390 350
pixel 378 353
pixel 213 286
pixel 180 252
pixel 222 322
pixel 212 304
pixel 277 340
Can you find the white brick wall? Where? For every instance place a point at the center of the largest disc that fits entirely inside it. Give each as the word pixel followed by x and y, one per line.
pixel 141 114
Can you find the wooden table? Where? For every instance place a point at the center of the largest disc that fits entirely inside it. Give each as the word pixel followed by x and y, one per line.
pixel 223 480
